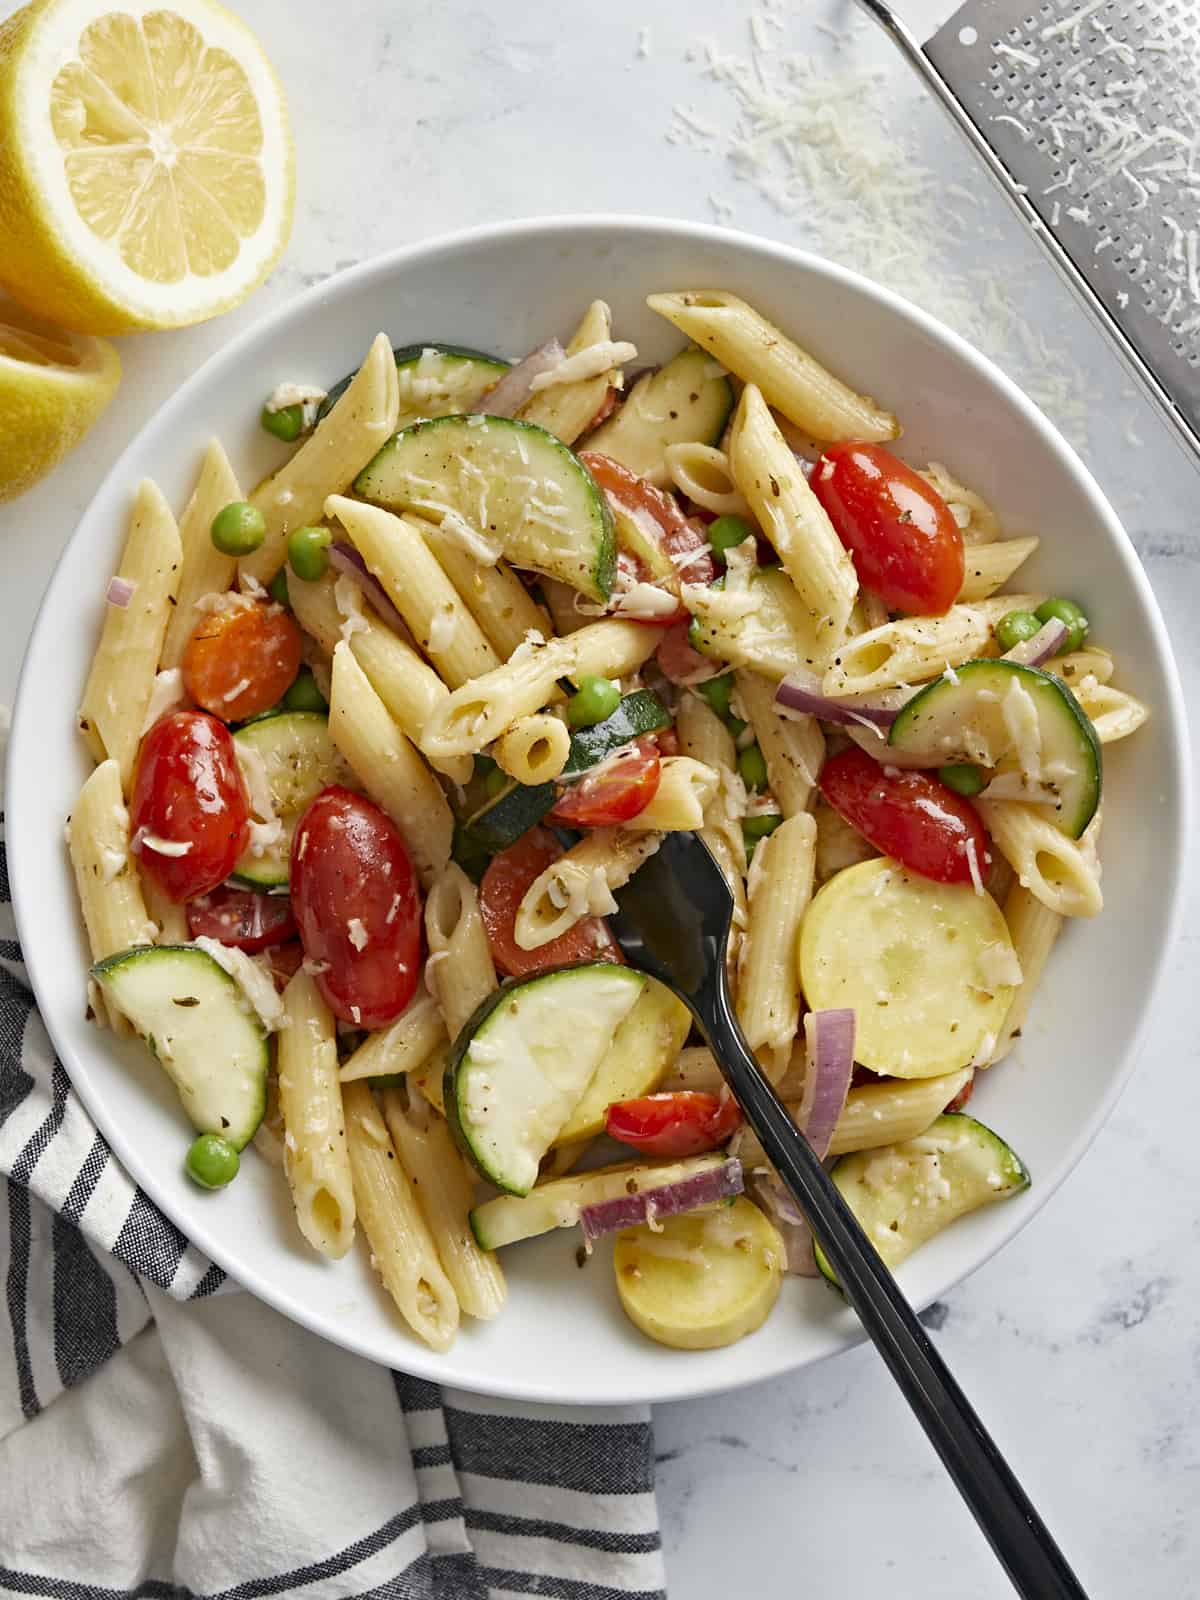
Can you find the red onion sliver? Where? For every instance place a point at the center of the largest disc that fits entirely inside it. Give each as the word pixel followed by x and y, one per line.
pixel 1047 641
pixel 772 1195
pixel 801 691
pixel 119 592
pixel 830 1039
pixel 505 399
pixel 628 1210
pixel 347 560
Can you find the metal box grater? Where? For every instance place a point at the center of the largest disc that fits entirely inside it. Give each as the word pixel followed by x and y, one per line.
pixel 1088 113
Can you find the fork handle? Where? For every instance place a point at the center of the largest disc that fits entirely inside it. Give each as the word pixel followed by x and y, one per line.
pixel 1019 1537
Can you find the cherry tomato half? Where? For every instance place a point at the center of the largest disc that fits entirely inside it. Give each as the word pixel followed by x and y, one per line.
pixel 905 542
pixel 678 661
pixel 240 661
pixel 242 918
pixel 614 793
pixel 501 891
pixel 188 791
pixel 910 816
pixel 285 960
pixel 686 1123
pixel 357 906
pixel 661 522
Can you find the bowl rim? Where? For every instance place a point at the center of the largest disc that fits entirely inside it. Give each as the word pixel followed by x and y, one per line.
pixel 424 1362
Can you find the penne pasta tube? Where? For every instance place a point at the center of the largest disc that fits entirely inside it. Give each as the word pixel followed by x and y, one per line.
pixel 612 648
pixel 401 1047
pixel 1091 661
pixel 403 1251
pixel 119 685
pixel 535 749
pixel 972 513
pixel 768 973
pixel 693 1068
pixel 481 710
pixel 704 737
pixel 916 648
pixel 703 474
pixel 568 410
pixel 204 569
pixel 760 353
pixel 792 517
pixel 793 746
pixel 685 788
pixel 560 603
pixel 459 970
pixel 1034 929
pixel 838 844
pixel 1113 713
pixel 990 566
pixel 580 884
pixel 169 919
pixel 107 877
pixel 328 462
pixel 314 1142
pixel 396 553
pixel 444 1191
pixel 1059 871
pixel 389 766
pixel 500 603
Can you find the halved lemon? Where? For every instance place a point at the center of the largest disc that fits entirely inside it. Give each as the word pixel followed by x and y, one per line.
pixel 53 386
pixel 146 172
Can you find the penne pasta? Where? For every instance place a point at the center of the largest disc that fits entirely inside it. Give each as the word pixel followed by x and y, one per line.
pixel 768 974
pixel 838 844
pixel 535 749
pixel 1034 929
pixel 481 710
pixel 1113 713
pixel 500 603
pixel 694 1068
pixel 917 648
pixel 1057 870
pixel 568 410
pixel 760 353
pixel 685 788
pixel 203 569
pixel 703 474
pixel 401 1047
pixel 314 1142
pixel 990 565
pixel 389 766
pixel 972 513
pixel 459 970
pixel 580 884
pixel 793 519
pixel 793 746
pixel 403 1251
pixel 703 736
pixel 1091 661
pixel 327 462
pixel 169 919
pixel 120 683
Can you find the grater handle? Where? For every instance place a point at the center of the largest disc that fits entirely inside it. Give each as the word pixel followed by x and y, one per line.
pixel 906 42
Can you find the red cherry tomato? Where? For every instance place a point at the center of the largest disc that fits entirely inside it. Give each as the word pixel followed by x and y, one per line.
pixel 188 791
pixel 612 399
pixel 501 891
pixel 910 816
pixel 239 662
pixel 963 1095
pixel 905 542
pixel 285 961
pixel 357 907
pixel 662 522
pixel 686 1123
pixel 667 741
pixel 239 917
pixel 678 661
pixel 613 793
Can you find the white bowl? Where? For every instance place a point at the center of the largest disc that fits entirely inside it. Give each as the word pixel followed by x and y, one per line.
pixel 562 1336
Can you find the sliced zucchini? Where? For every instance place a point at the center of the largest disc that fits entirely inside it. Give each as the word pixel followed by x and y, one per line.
pixel 202 1030
pixel 701 1280
pixel 522 1063
pixel 511 479
pixel 643 1047
pixel 904 1194
pixel 558 1203
pixel 512 813
pixel 687 401
pixel 1000 714
pixel 780 636
pixel 928 968
pixel 298 760
pixel 435 381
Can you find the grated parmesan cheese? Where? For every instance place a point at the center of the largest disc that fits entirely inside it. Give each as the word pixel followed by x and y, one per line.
pixel 348 598
pixel 591 362
pixel 258 988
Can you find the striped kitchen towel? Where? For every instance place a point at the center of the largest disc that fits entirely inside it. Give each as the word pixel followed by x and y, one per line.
pixel 163 1434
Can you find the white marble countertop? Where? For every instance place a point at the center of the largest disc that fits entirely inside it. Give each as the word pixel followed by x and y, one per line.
pixel 1081 1343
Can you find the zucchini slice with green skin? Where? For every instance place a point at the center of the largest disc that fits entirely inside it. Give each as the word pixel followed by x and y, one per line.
pixel 298 760
pixel 1003 714
pixel 435 380
pixel 689 400
pixel 202 1031
pixel 522 1063
pixel 558 1203
pixel 516 480
pixel 779 637
pixel 904 1194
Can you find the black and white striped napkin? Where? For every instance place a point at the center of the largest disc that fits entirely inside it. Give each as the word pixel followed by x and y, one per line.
pixel 161 1439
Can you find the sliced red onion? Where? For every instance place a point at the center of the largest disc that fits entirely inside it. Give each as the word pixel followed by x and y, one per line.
pixel 830 1039
pixel 505 399
pixel 628 1210
pixel 768 1190
pixel 119 592
pixel 1046 642
pixel 801 691
pixel 347 560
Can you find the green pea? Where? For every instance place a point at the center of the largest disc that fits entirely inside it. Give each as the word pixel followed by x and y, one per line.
pixel 595 699
pixel 1015 627
pixel 278 589
pixel 238 528
pixel 725 532
pixel 495 783
pixel 287 423
pixel 212 1162
pixel 308 552
pixel 758 827
pixel 752 765
pixel 304 694
pixel 964 777
pixel 717 692
pixel 1057 609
